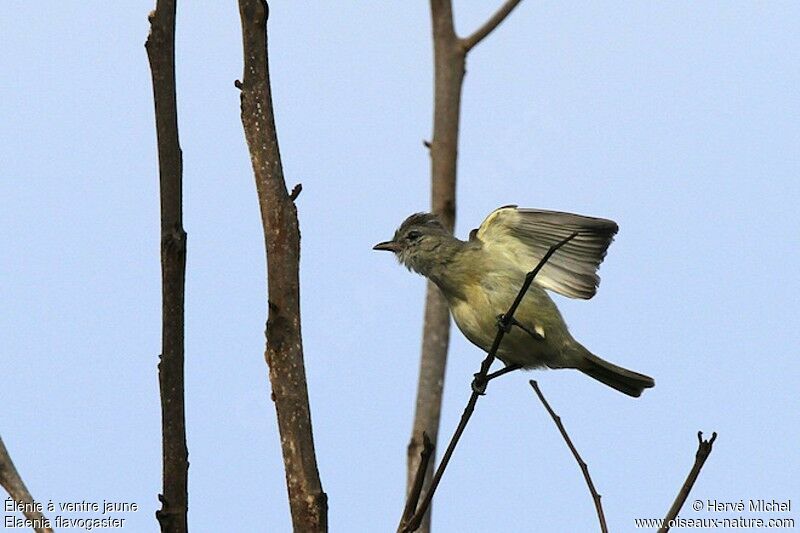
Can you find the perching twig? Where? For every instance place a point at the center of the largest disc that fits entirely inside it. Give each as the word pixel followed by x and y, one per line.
pixel 500 15
pixel 502 327
pixel 585 469
pixel 12 482
pixel 703 451
pixel 160 47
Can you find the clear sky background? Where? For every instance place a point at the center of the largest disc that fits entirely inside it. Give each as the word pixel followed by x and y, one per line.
pixel 679 120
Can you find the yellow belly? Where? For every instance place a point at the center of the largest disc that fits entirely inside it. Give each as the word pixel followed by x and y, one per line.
pixel 476 317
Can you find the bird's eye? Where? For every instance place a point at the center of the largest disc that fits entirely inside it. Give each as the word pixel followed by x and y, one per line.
pixel 413 235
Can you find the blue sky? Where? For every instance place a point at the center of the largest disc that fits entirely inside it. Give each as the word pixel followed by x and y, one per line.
pixel 679 120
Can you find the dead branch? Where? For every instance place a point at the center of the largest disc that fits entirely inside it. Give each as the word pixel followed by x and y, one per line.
pixel 160 47
pixel 584 469
pixel 284 349
pixel 703 451
pixel 449 66
pixel 12 482
pixel 494 21
pixel 419 478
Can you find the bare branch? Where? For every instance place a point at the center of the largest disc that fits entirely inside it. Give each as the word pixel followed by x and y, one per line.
pixel 419 478
pixel 503 326
pixel 442 19
pixel 435 339
pixel 160 47
pixel 468 43
pixel 585 469
pixel 284 350
pixel 703 451
pixel 12 482
pixel 415 521
pixel 443 147
pixel 449 66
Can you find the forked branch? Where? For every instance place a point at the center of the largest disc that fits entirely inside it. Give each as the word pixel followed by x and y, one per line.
pixel 468 43
pixel 450 52
pixel 703 451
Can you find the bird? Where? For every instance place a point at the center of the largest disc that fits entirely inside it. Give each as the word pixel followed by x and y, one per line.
pixel 481 277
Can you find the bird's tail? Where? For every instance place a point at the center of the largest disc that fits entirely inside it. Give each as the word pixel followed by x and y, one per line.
pixel 624 380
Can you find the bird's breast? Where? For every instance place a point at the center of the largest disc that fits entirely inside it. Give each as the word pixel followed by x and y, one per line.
pixel 474 317
pixel 477 311
pixel 480 304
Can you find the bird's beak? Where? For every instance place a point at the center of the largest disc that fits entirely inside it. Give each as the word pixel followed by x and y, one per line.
pixel 390 246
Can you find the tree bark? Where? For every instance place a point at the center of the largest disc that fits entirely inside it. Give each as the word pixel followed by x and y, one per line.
pixel 160 47
pixel 448 77
pixel 449 58
pixel 12 482
pixel 704 448
pixel 284 350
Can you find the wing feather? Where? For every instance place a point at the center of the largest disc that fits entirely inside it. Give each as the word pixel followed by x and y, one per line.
pixel 525 235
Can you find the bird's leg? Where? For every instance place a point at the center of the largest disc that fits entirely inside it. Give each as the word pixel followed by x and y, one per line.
pixel 507 324
pixel 532 332
pixel 505 370
pixel 504 324
pixel 480 381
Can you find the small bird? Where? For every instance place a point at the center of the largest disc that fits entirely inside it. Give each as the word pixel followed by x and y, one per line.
pixel 482 276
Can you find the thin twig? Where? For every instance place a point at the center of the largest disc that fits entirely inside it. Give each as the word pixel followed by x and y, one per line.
pixel 12 482
pixel 296 192
pixel 415 520
pixel 703 451
pixel 502 327
pixel 468 43
pixel 507 319
pixel 419 478
pixel 585 469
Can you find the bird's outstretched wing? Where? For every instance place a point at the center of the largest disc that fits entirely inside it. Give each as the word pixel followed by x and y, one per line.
pixel 525 235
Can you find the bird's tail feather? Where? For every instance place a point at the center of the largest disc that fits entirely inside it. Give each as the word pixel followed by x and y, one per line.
pixel 624 380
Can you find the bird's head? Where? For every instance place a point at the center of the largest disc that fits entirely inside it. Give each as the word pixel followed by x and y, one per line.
pixel 420 243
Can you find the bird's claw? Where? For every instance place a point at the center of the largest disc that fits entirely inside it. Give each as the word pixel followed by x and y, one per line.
pixel 503 324
pixel 479 384
pixel 507 324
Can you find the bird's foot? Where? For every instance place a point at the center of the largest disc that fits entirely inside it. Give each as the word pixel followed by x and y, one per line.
pixel 479 383
pixel 480 380
pixel 506 324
